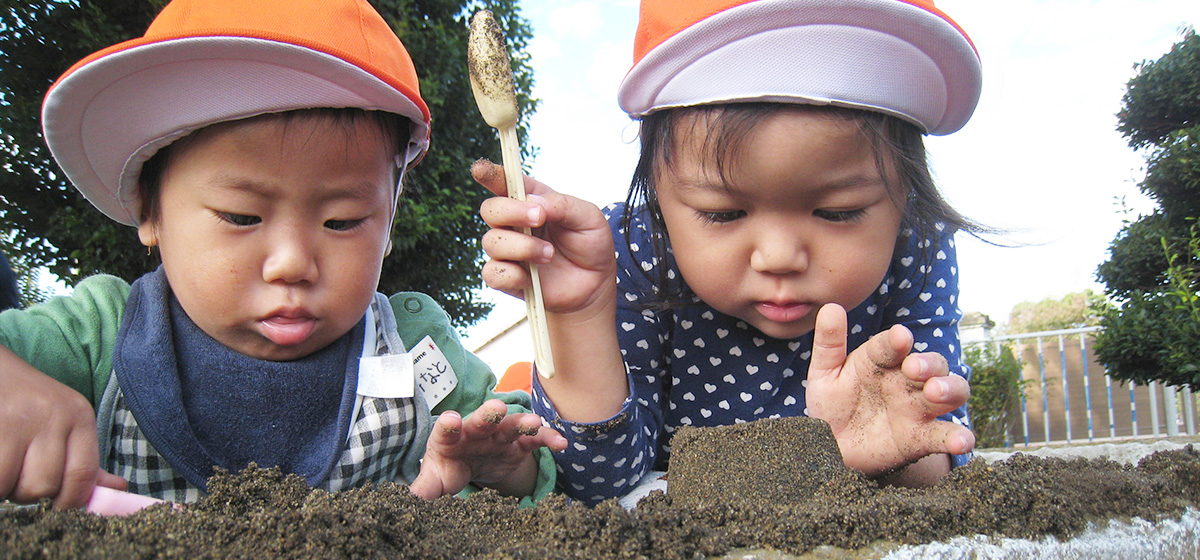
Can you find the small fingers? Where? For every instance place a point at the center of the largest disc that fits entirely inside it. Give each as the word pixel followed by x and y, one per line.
pixel 896 345
pixel 829 340
pixel 506 212
pixel 490 176
pixel 527 430
pixel 946 393
pixel 109 480
pixel 80 472
pixel 955 439
pixel 11 457
pixel 41 472
pixel 507 277
pixel 427 485
pixel 943 437
pixel 509 245
pixel 484 421
pixel 924 366
pixel 447 430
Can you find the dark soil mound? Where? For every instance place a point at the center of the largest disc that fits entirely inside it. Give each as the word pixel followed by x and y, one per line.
pixel 260 513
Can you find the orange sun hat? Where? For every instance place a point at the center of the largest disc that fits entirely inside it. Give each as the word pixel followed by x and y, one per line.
pixel 207 61
pixel 901 57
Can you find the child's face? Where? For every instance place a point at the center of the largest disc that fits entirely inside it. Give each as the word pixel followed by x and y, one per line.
pixel 272 232
pixel 804 218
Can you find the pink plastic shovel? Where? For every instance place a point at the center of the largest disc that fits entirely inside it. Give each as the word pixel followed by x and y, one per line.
pixel 106 501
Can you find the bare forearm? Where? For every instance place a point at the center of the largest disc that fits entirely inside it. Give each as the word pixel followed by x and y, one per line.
pixel 590 383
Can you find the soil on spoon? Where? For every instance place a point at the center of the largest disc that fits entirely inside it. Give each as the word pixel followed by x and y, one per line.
pixel 733 487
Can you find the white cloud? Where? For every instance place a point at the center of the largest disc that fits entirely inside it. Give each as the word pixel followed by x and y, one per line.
pixel 576 19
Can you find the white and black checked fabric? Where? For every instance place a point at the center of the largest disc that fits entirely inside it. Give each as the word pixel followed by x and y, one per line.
pixel 135 459
pixel 383 430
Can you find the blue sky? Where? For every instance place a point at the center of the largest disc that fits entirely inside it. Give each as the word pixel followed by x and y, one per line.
pixel 1040 157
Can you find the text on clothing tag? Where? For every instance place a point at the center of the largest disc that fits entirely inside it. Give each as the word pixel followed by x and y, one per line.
pixel 435 377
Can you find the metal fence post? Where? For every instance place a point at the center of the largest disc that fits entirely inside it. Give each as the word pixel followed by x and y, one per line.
pixel 1171 405
pixel 1087 387
pixel 1189 409
pixel 1154 407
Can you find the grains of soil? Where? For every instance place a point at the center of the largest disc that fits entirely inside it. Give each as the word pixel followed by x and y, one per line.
pixel 734 490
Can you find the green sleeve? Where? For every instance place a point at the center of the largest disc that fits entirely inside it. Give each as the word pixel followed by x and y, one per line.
pixel 417 315
pixel 71 338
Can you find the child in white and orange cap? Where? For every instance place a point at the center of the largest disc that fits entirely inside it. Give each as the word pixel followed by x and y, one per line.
pixel 783 250
pixel 260 146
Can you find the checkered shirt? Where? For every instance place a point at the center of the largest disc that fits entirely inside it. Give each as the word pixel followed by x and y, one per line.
pixel 383 430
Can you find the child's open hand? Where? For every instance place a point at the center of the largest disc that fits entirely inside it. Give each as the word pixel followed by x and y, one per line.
pixel 489 447
pixel 574 252
pixel 48 443
pixel 883 402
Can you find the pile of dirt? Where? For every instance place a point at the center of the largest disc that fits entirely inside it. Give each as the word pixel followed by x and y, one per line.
pixel 260 513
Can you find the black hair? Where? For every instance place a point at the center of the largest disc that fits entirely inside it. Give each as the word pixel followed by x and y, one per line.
pixel 392 126
pixel 898 146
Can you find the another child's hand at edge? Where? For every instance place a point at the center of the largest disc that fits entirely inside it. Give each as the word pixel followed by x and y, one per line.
pixel 489 447
pixel 574 252
pixel 48 446
pixel 882 401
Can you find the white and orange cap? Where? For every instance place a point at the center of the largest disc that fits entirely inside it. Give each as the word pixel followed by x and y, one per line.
pixel 901 57
pixel 207 61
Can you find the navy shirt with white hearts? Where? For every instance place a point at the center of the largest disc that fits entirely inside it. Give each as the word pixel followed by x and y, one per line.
pixel 695 366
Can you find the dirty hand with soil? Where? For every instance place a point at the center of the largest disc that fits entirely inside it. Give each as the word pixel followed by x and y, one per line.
pixel 489 447
pixel 882 402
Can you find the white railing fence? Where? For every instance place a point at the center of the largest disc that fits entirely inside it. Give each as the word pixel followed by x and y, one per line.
pixel 1069 396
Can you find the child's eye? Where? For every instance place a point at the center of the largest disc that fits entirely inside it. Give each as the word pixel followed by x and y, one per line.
pixel 722 217
pixel 840 215
pixel 239 220
pixel 342 225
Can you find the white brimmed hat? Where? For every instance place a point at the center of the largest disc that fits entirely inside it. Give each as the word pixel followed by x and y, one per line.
pixel 901 57
pixel 207 61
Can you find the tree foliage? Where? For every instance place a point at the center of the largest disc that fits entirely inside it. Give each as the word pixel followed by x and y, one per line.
pixel 1072 311
pixel 1152 321
pixel 436 237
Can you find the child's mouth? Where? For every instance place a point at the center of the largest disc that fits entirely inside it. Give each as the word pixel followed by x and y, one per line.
pixel 782 312
pixel 288 330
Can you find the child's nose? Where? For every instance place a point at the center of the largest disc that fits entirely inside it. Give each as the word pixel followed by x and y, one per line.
pixel 778 251
pixel 290 259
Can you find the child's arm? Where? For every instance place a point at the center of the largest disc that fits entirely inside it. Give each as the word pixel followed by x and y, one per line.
pixel 48 443
pixel 882 402
pixel 489 447
pixel 578 273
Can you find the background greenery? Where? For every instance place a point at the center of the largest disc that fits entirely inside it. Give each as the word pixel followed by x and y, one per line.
pixel 436 237
pixel 996 388
pixel 1152 318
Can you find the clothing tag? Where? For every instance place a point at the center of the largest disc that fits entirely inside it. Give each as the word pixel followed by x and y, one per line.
pixel 435 377
pixel 386 377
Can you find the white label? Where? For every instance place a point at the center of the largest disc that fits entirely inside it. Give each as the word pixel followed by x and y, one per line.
pixel 435 377
pixel 386 377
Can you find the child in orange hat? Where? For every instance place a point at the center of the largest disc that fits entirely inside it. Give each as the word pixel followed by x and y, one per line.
pixel 260 147
pixel 783 250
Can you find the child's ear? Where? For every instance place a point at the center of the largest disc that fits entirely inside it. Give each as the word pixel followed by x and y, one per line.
pixel 148 233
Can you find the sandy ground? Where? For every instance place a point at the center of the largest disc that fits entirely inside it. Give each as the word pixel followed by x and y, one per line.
pixel 761 490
